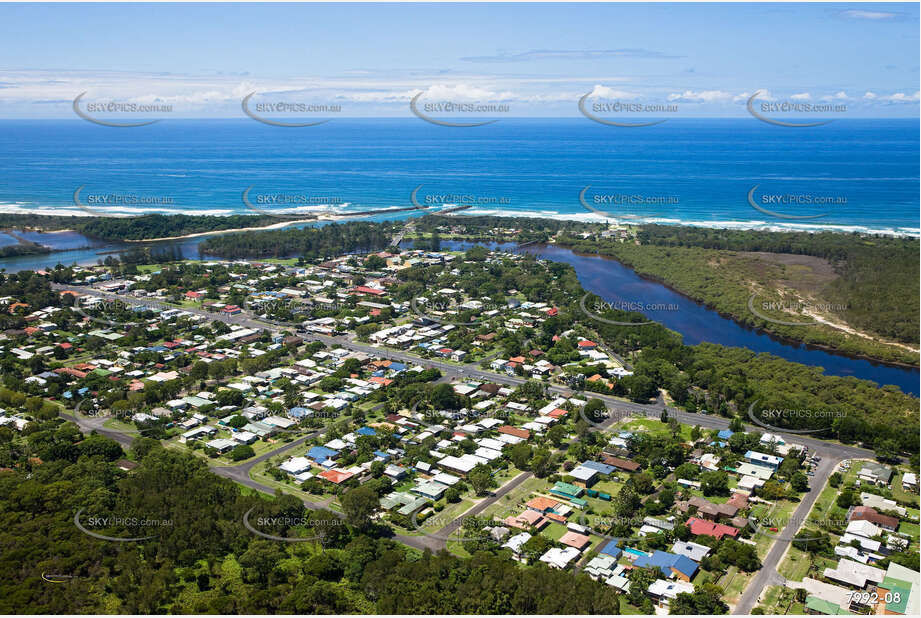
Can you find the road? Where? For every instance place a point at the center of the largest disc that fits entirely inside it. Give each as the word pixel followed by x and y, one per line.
pixel 768 575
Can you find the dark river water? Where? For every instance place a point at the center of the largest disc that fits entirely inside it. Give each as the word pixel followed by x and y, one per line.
pixel 606 278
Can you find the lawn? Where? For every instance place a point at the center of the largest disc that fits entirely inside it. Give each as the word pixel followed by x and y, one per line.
pixel 289 486
pixel 734 583
pixel 653 426
pixel 795 565
pixel 911 529
pixel 437 521
pixel 554 531
pixel 514 501
pixel 899 494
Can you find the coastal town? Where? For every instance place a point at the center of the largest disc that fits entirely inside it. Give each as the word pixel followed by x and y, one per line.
pixel 389 388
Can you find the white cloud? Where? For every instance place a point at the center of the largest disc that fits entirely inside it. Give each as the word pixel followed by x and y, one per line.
pixel 603 92
pixel 871 15
pixel 701 96
pixel 838 96
pixel 901 97
pixel 802 96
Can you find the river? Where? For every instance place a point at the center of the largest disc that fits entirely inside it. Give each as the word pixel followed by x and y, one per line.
pixel 604 277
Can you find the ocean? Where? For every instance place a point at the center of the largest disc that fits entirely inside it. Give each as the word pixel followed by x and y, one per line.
pixel 850 175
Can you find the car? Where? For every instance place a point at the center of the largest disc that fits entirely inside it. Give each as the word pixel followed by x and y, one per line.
pixel 773 529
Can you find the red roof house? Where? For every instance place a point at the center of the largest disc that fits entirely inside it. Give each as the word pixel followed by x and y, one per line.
pixel 709 528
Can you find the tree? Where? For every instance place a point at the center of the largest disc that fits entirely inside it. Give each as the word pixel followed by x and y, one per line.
pixel 481 479
pixel 714 483
pixel 706 599
pixel 102 446
pixel 847 498
pixel 241 452
pixel 799 481
pixel 772 490
pixel 595 410
pixel 237 422
pixel 359 505
pixel 556 435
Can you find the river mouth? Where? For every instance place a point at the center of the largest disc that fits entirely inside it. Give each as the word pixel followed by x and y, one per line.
pixel 604 277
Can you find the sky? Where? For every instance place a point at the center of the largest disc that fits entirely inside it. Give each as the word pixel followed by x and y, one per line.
pixel 201 60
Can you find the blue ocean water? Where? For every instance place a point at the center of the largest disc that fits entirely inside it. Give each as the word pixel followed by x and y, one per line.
pixel 690 171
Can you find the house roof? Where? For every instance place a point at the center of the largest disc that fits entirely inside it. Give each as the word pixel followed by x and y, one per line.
pixel 692 550
pixel 623 464
pixel 321 453
pixel 603 468
pixel 666 561
pixel 574 539
pixel 335 476
pixel 514 431
pixel 611 549
pixel 866 513
pixel 708 528
pixel 827 608
pixel 540 503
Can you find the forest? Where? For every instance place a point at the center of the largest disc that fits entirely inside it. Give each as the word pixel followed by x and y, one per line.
pixel 203 560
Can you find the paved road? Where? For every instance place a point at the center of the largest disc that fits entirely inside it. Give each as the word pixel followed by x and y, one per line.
pixel 482 505
pixel 768 575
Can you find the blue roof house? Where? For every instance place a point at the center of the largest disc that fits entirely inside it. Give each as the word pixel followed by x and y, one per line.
pixel 681 567
pixel 320 454
pixel 611 549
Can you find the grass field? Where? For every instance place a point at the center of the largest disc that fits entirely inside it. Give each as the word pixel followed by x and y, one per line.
pixel 795 565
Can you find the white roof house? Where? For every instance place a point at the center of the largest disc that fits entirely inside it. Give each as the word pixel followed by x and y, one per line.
pixel 854 573
pixel 560 558
pixel 668 590
pixel 296 465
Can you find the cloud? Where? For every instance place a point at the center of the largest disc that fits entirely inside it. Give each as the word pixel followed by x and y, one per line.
pixel 838 96
pixel 464 92
pixel 603 92
pixel 871 15
pixel 894 98
pixel 802 96
pixel 701 96
pixel 570 54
